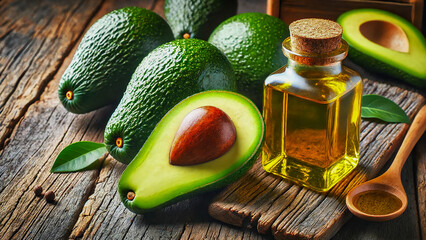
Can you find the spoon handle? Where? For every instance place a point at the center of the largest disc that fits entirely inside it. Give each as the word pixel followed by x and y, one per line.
pixel 415 131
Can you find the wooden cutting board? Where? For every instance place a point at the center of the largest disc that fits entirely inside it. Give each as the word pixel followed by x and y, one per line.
pixel 268 203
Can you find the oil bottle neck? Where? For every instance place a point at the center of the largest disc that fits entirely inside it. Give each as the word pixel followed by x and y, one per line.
pixel 305 70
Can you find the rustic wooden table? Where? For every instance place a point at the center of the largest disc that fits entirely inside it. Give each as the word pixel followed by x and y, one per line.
pixel 37 42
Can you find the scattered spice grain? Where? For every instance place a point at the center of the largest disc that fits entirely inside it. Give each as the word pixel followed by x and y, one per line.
pixel 49 196
pixel 38 191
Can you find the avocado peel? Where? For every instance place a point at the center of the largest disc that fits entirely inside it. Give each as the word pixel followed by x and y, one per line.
pixel 206 133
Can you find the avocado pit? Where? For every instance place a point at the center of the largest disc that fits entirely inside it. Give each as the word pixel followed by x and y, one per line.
pixel 385 34
pixel 205 134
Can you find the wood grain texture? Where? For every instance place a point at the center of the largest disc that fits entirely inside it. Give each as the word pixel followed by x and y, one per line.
pixel 420 166
pixel 265 202
pixel 48 128
pixel 35 37
pixel 44 130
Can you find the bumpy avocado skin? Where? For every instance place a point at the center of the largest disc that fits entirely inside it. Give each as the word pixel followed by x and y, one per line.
pixel 107 56
pixel 167 75
pixel 231 177
pixel 198 18
pixel 253 44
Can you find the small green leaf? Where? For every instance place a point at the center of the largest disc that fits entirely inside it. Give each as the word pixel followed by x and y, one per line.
pixel 376 106
pixel 79 156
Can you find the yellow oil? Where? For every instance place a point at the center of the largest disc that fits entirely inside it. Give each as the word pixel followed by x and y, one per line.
pixel 312 123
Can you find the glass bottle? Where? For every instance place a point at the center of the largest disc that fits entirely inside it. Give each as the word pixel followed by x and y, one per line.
pixel 312 115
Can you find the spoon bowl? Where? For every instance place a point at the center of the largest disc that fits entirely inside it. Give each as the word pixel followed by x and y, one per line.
pixel 388 183
pixel 353 196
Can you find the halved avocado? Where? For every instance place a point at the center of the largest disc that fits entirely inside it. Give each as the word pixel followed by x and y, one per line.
pixel 150 182
pixel 386 43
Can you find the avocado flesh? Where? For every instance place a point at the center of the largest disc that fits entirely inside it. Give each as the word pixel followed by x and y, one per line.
pixel 166 76
pixel 198 18
pixel 406 65
pixel 156 183
pixel 107 56
pixel 253 44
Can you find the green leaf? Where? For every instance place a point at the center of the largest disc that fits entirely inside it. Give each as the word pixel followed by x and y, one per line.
pixel 79 156
pixel 376 106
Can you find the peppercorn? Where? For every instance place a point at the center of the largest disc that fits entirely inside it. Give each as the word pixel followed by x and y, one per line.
pixel 49 196
pixel 38 191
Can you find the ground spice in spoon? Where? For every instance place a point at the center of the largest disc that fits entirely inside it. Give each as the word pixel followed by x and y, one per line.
pixel 377 202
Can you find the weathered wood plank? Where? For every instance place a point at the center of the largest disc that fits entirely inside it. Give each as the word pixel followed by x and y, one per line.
pixel 35 38
pixel 44 130
pixel 208 229
pixel 263 201
pixel 46 127
pixel 420 173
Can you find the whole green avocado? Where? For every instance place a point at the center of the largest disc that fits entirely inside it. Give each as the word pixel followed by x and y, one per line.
pixel 170 73
pixel 197 18
pixel 253 44
pixel 107 56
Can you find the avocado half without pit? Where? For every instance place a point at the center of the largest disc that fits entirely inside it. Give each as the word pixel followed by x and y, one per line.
pixel 205 142
pixel 386 43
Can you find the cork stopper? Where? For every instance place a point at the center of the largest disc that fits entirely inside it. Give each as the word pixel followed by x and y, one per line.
pixel 313 35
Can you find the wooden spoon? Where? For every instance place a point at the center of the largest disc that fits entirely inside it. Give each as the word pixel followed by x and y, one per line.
pixel 390 181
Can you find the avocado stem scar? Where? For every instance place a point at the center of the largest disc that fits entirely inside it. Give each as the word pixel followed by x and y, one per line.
pixel 186 35
pixel 69 95
pixel 119 142
pixel 130 195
